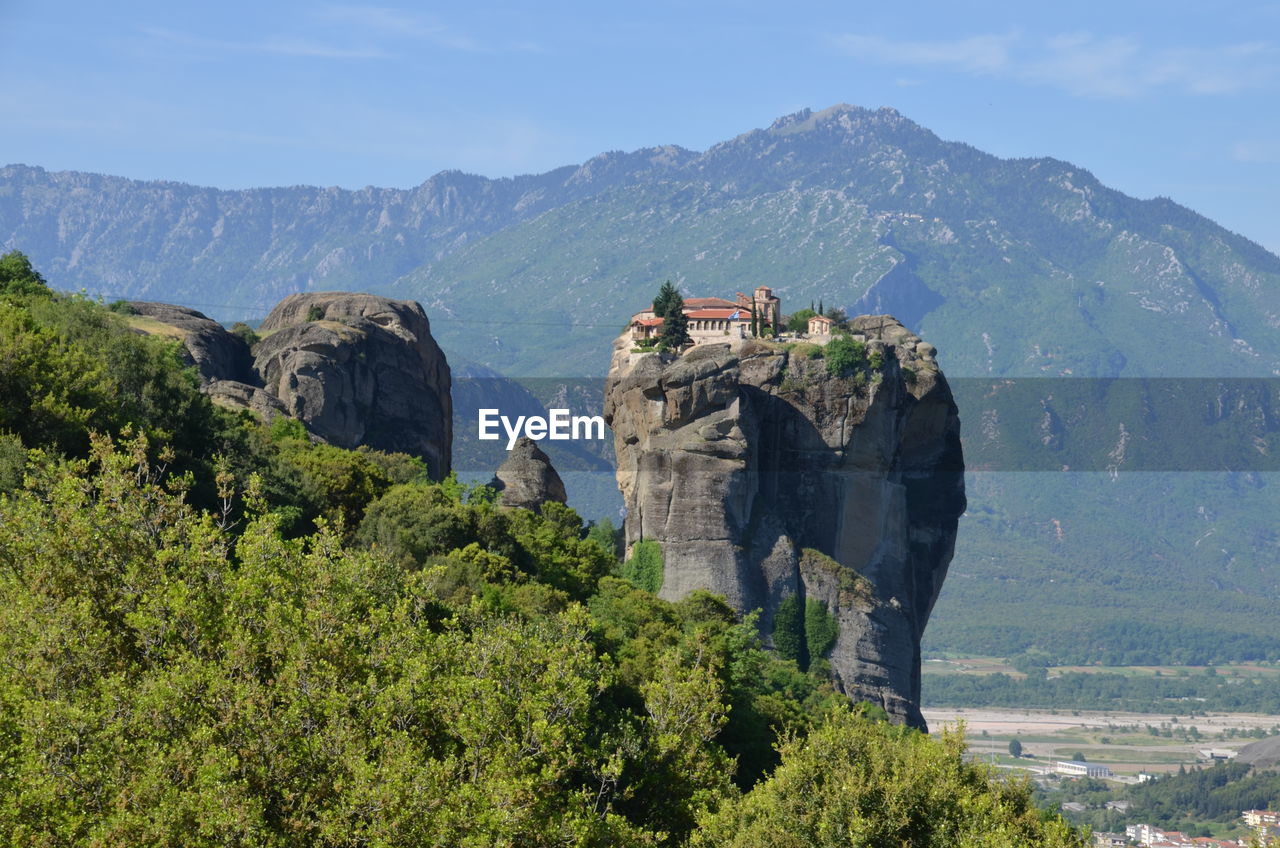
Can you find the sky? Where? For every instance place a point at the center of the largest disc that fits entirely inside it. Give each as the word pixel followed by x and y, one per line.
pixel 1175 99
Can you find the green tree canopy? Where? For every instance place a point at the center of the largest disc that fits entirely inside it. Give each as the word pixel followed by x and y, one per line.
pixel 667 295
pixel 669 306
pixel 798 322
pixel 855 782
pixel 18 277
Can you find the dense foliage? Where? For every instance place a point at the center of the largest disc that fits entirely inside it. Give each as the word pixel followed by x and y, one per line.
pixel 18 277
pixel 804 631
pixel 216 632
pixel 858 783
pixel 844 355
pixel 644 567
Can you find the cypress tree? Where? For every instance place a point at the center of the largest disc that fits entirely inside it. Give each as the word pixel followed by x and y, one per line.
pixel 675 324
pixel 666 295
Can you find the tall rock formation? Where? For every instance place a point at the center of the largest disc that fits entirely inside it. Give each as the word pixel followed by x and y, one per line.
pixel 359 369
pixel 765 476
pixel 356 369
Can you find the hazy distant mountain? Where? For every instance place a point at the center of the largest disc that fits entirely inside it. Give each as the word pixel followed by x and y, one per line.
pixel 1026 267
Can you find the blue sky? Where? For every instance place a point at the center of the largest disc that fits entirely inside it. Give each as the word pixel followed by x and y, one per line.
pixel 1172 98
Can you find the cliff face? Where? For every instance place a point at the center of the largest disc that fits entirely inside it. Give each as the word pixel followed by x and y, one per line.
pixel 357 369
pixel 216 353
pixel 360 369
pixel 765 476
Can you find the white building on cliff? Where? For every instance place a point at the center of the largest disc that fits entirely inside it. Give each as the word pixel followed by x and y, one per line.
pixel 715 319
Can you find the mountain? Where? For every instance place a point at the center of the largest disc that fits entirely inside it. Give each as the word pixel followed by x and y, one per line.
pixel 1012 268
pixel 1026 266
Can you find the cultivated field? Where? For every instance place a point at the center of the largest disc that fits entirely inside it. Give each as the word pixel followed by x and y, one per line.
pixel 1126 742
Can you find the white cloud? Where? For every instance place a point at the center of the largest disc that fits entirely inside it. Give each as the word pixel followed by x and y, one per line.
pixel 269 46
pixel 980 54
pixel 1081 63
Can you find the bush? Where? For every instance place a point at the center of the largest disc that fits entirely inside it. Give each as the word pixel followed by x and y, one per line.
pixel 18 277
pixel 315 313
pixel 788 632
pixel 820 629
pixel 844 355
pixel 644 569
pixel 245 332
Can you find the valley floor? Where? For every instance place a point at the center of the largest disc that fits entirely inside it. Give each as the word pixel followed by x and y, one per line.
pixel 1128 743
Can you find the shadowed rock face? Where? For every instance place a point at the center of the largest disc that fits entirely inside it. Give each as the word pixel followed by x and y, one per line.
pixel 364 371
pixel 527 479
pixel 216 353
pixel 764 476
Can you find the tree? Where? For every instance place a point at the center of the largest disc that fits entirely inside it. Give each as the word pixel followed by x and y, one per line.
pixel 604 534
pixel 820 629
pixel 17 276
pixel 666 296
pixel 1078 756
pixel 857 782
pixel 798 322
pixel 788 631
pixel 675 324
pixel 245 332
pixel 1015 748
pixel 644 569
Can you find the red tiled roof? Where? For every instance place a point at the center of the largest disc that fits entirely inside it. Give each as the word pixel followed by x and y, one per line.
pixel 648 322
pixel 720 313
pixel 708 303
pixel 822 318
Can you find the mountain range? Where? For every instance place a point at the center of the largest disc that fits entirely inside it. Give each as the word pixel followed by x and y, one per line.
pixel 1010 267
